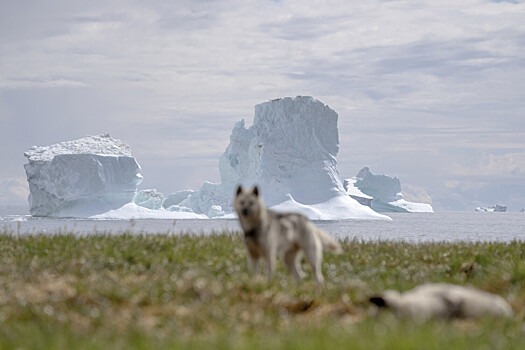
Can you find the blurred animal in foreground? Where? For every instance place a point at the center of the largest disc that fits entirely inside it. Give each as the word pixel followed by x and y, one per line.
pixel 442 301
pixel 269 234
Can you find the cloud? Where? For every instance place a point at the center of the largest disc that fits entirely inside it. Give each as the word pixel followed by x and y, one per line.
pixel 508 165
pixel 42 82
pixel 416 194
pixel 13 191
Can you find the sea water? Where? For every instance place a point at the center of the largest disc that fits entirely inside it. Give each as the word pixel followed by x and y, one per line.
pixel 412 227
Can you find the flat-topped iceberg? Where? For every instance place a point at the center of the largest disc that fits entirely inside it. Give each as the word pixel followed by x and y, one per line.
pixel 290 153
pixel 382 193
pixel 81 178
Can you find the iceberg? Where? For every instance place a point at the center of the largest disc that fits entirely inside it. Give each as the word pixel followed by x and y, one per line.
pixel 355 193
pixel 81 178
pixel 290 153
pixel 150 199
pixel 495 208
pixel 382 193
pixel 176 198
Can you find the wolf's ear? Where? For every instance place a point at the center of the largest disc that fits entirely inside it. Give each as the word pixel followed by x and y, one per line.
pixel 256 190
pixel 239 190
pixel 378 301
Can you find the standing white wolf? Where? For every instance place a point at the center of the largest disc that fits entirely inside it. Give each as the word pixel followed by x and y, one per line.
pixel 269 234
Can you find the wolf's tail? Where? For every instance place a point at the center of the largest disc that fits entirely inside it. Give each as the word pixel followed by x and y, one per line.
pixel 328 242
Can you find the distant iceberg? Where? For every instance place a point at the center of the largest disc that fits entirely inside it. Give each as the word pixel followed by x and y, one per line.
pixel 356 193
pixel 382 193
pixel 495 208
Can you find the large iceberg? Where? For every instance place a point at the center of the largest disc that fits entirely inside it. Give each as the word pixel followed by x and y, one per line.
pixel 290 153
pixel 81 178
pixel 382 193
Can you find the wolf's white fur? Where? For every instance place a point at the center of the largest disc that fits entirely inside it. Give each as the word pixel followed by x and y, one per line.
pixel 443 301
pixel 268 235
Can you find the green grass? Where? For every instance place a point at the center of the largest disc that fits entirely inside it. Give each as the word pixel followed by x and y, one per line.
pixel 128 291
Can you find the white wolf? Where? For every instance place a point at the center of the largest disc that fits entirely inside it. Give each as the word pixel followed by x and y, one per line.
pixel 269 234
pixel 443 301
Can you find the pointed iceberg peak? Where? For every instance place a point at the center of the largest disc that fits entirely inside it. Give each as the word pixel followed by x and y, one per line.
pixel 365 172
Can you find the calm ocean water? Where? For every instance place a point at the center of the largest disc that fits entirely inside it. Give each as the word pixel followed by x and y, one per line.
pixel 415 227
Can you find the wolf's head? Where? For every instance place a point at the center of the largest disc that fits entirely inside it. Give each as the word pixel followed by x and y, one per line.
pixel 248 204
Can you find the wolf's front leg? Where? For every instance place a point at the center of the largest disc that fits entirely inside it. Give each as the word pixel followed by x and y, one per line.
pixel 271 261
pixel 253 264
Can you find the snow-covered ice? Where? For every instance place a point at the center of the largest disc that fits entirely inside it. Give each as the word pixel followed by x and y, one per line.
pixel 82 177
pixel 336 208
pixel 382 193
pixel 355 193
pixel 134 211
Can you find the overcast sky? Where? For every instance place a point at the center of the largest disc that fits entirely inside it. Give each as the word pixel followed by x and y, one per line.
pixel 432 92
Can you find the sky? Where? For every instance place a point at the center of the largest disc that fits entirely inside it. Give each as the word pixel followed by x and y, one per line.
pixel 432 92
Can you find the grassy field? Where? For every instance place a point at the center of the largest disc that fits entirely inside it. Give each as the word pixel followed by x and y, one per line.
pixel 163 291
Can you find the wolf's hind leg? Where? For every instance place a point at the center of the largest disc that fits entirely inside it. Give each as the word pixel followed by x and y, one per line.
pixel 314 255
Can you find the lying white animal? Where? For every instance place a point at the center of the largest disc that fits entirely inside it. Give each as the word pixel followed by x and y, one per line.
pixel 443 301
